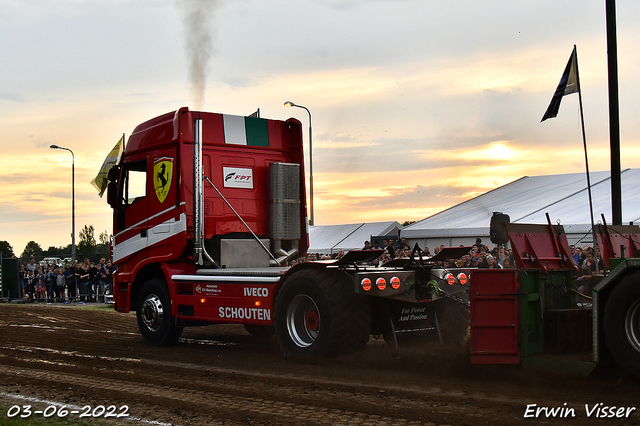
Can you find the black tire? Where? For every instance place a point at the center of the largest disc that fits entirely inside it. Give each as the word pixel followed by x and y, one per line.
pixel 155 321
pixel 313 316
pixel 622 324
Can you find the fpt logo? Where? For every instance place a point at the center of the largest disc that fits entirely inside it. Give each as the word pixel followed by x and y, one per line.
pixel 235 177
pixel 162 177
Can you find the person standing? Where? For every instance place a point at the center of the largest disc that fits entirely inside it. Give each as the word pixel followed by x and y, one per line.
pixel 60 285
pixel 32 265
pixel 30 285
pixel 587 280
pixel 23 280
pixel 82 273
pixel 110 271
pixel 41 284
pixel 70 278
pixel 51 284
pixel 92 284
pixel 492 263
pixel 101 278
pixel 388 246
pixel 479 244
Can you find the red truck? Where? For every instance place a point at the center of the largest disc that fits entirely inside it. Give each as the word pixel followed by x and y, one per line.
pixel 208 209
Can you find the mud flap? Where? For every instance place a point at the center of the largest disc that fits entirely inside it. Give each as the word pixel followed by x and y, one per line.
pixel 122 296
pixel 409 321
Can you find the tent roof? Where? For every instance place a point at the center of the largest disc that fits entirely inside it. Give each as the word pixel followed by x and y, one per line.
pixel 526 200
pixel 331 238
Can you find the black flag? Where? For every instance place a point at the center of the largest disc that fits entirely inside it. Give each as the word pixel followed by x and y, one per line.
pixel 569 83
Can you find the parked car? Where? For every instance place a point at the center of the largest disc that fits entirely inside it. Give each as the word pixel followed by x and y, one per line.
pixel 51 261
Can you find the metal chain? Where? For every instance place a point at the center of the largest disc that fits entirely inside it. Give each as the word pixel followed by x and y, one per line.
pixel 466 303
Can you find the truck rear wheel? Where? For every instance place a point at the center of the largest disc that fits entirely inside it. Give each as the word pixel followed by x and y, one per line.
pixel 313 316
pixel 155 321
pixel 622 323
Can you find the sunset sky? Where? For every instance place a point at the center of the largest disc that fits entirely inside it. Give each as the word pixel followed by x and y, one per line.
pixel 417 105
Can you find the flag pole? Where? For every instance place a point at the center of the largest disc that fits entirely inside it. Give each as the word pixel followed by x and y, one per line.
pixel 614 113
pixel 586 159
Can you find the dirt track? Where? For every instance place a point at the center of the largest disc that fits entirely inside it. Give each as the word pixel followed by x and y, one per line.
pixel 222 375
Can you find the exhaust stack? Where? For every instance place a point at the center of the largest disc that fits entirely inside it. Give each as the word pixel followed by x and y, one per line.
pixel 198 198
pixel 200 254
pixel 284 210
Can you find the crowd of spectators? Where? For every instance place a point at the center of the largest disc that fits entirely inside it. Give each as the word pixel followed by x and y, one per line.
pixel 479 255
pixel 589 265
pixel 88 282
pixel 64 283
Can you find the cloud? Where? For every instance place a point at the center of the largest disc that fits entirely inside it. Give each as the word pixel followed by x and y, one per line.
pixel 12 96
pixel 425 195
pixel 390 203
pixel 416 105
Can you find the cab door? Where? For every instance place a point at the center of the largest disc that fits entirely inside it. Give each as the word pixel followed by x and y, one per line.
pixel 167 219
pixel 131 237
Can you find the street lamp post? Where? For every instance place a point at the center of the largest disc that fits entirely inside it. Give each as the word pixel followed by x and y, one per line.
pixel 291 104
pixel 73 202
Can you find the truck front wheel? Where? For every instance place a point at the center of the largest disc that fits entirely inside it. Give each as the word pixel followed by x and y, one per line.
pixel 622 323
pixel 313 316
pixel 155 321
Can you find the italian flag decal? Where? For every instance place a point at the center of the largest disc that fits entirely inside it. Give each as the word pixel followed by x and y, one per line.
pixel 250 131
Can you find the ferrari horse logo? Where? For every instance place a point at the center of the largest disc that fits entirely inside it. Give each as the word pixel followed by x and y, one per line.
pixel 162 174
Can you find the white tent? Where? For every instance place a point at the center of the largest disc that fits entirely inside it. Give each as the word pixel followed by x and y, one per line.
pixel 331 238
pixel 527 200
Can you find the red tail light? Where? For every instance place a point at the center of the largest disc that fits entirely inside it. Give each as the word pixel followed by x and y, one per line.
pixel 451 280
pixel 366 284
pixel 381 283
pixel 462 278
pixel 395 283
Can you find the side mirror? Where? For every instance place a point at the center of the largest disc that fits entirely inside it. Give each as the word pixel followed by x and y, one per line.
pixel 112 186
pixel 114 174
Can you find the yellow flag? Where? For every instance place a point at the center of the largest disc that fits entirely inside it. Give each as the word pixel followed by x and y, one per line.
pixel 100 181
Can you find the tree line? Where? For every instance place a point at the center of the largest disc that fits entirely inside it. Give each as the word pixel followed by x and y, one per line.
pixel 86 248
